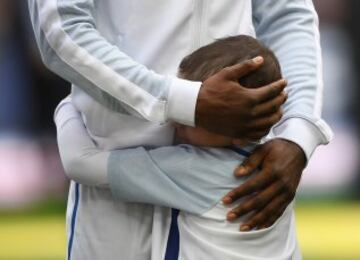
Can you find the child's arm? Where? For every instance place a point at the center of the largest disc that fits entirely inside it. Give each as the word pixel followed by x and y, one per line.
pixel 184 177
pixel 83 162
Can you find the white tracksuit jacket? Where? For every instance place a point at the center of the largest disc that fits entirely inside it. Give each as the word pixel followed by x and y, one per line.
pixel 122 55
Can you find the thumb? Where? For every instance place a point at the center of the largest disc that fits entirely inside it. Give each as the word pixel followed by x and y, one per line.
pixel 240 70
pixel 251 163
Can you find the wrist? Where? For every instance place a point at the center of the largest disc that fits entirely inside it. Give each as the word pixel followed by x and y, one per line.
pixel 293 149
pixel 306 134
pixel 199 107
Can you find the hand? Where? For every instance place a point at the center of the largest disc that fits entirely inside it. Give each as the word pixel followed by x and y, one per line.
pixel 280 164
pixel 225 107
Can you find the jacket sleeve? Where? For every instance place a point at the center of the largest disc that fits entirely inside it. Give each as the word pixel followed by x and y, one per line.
pixel 72 47
pixel 185 177
pixel 290 29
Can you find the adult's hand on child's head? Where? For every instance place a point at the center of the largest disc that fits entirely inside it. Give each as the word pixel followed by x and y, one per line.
pixel 272 189
pixel 225 107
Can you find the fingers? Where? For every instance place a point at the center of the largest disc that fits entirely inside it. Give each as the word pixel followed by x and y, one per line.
pixel 266 122
pixel 242 69
pixel 269 91
pixel 267 216
pixel 251 163
pixel 250 186
pixel 271 106
pixel 256 202
pixel 273 219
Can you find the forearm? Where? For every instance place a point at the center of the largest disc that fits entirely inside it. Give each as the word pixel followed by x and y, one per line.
pixel 83 162
pixel 290 29
pixel 173 176
pixel 184 177
pixel 72 47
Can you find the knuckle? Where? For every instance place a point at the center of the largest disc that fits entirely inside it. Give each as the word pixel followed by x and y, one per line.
pixel 273 90
pixel 238 210
pixel 249 164
pixel 288 190
pixel 270 211
pixel 282 183
pixel 257 202
pixel 291 192
pixel 226 70
pixel 254 112
pixel 255 184
pixel 252 223
pixel 252 100
pixel 260 217
pixel 248 64
pixel 274 108
pixel 255 100
pixel 274 173
pixel 277 116
pixel 234 194
pixel 247 207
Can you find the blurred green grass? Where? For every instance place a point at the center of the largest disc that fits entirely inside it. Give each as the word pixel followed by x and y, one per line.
pixel 327 230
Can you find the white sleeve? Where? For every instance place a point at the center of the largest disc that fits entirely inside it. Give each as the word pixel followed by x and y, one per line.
pixel 72 47
pixel 290 29
pixel 83 162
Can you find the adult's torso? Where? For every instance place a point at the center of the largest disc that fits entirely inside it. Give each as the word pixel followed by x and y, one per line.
pixel 157 34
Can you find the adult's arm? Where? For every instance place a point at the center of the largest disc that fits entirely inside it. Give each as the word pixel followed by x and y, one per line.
pixel 72 47
pixel 290 29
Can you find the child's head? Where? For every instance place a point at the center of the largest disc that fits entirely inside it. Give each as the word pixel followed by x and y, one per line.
pixel 209 59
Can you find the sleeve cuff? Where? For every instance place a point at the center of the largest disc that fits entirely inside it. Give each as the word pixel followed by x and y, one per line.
pixel 307 134
pixel 182 100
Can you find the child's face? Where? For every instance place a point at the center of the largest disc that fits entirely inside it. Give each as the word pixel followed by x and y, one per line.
pixel 200 137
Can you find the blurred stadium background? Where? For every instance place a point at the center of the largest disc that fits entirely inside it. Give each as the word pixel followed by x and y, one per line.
pixel 33 186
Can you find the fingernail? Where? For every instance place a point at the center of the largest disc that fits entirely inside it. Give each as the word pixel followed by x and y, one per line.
pixel 258 59
pixel 231 216
pixel 226 200
pixel 244 228
pixel 240 171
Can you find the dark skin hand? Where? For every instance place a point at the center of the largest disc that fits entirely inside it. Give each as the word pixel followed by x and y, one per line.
pixel 225 107
pixel 280 164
